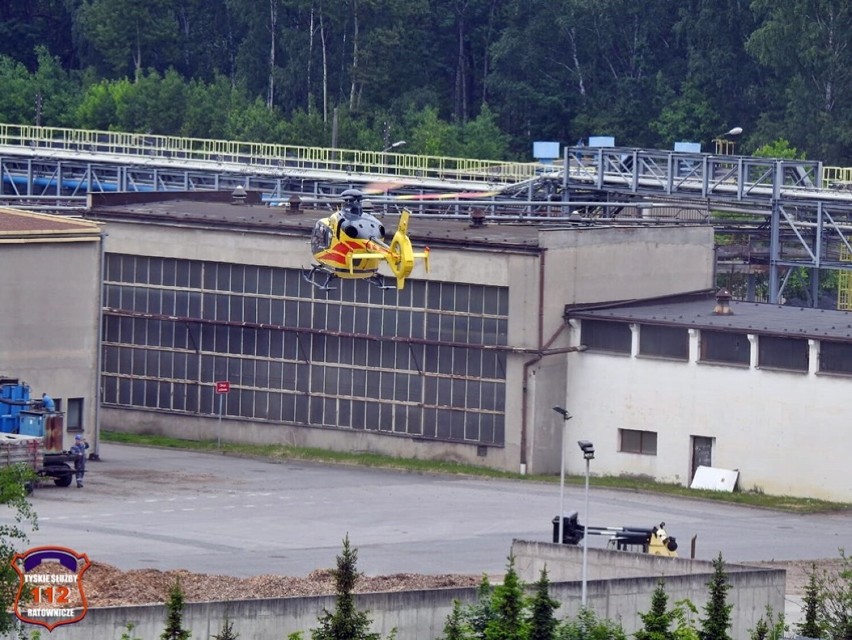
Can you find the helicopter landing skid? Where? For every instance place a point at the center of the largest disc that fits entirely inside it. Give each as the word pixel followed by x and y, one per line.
pixel 310 277
pixel 378 280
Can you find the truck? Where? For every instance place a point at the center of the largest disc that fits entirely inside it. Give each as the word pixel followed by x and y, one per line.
pixel 32 434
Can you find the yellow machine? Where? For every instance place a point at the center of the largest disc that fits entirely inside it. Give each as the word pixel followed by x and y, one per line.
pixel 654 541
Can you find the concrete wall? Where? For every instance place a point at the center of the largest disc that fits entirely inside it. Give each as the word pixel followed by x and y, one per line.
pixel 620 586
pixel 50 293
pixel 756 418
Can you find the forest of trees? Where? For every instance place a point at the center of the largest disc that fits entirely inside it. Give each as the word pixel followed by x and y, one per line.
pixel 473 78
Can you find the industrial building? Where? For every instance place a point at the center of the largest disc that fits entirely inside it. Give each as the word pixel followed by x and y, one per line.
pixel 666 386
pixel 50 321
pixel 463 364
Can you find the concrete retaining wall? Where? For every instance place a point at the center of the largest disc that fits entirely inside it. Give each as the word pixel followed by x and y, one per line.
pixel 619 586
pixel 620 583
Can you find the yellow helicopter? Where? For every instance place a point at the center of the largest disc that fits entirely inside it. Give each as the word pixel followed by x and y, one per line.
pixel 350 244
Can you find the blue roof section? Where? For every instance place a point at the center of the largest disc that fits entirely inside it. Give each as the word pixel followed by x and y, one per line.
pixel 748 317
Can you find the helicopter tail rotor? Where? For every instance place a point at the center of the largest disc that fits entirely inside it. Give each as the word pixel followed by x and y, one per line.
pixel 402 255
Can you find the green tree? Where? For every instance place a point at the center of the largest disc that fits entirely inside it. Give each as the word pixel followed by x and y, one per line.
pixel 717 620
pixel 480 614
pixel 174 615
pixel 508 605
pixel 769 627
pixel 809 627
pixel 455 628
pixel 543 622
pixel 587 626
pixel 126 36
pixel 658 620
pixel 227 631
pixel 14 481
pixel 836 601
pixel 346 622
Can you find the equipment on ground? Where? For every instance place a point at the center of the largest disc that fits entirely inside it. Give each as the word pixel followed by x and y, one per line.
pixel 654 540
pixel 32 435
pixel 350 244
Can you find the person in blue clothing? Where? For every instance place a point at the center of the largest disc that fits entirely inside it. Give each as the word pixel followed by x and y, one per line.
pixel 47 402
pixel 79 451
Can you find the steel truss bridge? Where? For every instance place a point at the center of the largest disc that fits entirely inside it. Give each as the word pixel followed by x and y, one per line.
pixel 793 213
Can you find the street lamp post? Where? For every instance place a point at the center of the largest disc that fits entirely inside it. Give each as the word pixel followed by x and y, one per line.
pixel 724 146
pixel 395 145
pixel 565 418
pixel 588 450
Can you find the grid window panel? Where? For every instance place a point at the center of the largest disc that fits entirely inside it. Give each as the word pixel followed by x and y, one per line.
pixel 237 278
pixel 414 424
pixel 274 410
pixel 471 426
pixel 430 422
pixel 444 424
pixel 486 428
pixel 169 266
pixel 499 428
pixel 374 417
pixel 316 410
pixel 125 391
pixel 249 310
pixel 110 389
pixel 344 413
pixel 359 414
pixel 288 407
pixel 385 419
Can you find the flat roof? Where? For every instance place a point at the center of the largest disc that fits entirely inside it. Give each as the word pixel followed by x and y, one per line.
pixel 216 209
pixel 696 311
pixel 19 225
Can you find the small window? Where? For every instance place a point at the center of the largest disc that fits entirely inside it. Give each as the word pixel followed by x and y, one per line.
pixel 635 441
pixel 664 342
pixel 783 353
pixel 606 336
pixel 721 346
pixel 835 357
pixel 74 415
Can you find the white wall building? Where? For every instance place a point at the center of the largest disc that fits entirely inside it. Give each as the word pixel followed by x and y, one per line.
pixel 666 386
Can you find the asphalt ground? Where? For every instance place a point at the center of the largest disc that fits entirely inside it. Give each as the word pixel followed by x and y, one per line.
pixel 209 513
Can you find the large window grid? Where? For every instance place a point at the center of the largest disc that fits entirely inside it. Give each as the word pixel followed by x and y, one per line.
pixel 317 370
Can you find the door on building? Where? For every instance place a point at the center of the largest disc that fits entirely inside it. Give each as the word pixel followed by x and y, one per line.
pixel 702 453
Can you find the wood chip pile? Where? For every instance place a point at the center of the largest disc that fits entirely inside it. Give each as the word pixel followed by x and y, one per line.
pixel 106 585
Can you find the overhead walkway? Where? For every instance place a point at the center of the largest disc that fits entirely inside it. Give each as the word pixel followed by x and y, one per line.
pixel 200 160
pixel 803 209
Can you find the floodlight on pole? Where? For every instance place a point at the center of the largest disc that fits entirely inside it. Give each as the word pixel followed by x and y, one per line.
pixel 588 450
pixel 565 418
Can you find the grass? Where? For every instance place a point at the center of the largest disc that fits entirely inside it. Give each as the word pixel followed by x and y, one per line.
pixel 639 485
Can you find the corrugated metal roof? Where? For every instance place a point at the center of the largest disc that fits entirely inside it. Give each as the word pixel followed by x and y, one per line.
pixel 748 317
pixel 28 225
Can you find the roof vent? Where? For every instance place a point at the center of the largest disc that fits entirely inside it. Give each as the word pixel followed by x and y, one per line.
pixel 723 303
pixel 238 195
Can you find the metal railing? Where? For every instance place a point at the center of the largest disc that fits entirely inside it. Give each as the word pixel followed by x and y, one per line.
pixel 262 157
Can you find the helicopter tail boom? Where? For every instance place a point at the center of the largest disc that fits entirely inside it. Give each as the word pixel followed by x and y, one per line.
pixel 399 254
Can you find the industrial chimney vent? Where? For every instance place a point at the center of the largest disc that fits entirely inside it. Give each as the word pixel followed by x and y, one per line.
pixel 723 303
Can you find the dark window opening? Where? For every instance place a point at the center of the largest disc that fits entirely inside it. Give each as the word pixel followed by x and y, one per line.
pixel 635 441
pixel 835 357
pixel 720 346
pixel 782 353
pixel 606 336
pixel 665 342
